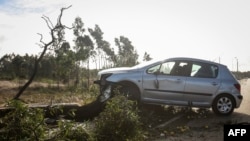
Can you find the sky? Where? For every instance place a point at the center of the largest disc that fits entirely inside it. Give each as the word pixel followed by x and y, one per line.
pixel 215 30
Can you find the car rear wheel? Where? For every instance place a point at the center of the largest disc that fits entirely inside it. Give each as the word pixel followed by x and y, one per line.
pixel 223 105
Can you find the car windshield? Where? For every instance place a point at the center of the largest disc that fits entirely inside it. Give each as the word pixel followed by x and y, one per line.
pixel 143 64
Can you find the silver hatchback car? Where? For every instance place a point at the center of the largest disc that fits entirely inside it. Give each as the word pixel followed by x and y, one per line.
pixel 175 81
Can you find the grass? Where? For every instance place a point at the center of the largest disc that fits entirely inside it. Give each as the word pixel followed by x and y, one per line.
pixel 45 93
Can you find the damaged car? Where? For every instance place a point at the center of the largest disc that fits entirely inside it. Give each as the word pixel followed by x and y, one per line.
pixel 175 81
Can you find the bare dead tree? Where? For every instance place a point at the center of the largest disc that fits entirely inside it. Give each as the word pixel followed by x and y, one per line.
pixel 55 32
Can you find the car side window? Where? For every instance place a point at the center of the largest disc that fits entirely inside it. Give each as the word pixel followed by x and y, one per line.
pixel 181 68
pixel 203 70
pixel 166 68
pixel 195 68
pixel 153 69
pixel 175 68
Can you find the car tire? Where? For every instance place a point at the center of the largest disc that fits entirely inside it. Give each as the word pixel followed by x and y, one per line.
pixel 223 105
pixel 130 91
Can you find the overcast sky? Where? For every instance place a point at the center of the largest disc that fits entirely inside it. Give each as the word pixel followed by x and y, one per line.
pixel 216 30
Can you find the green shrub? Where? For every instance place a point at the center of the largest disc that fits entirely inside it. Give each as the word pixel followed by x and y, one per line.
pixel 118 121
pixel 22 123
pixel 94 89
pixel 72 131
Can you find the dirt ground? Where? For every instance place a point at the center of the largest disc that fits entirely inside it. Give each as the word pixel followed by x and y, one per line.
pixel 210 128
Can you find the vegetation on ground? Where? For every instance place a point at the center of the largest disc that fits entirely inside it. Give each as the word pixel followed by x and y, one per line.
pixel 119 121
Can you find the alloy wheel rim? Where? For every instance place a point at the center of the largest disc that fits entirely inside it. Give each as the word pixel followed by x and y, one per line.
pixel 224 105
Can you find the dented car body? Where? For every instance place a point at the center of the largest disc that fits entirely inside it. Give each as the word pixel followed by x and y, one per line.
pixel 175 81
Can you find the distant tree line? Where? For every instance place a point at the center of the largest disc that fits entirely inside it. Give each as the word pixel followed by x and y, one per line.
pixel 66 62
pixel 241 75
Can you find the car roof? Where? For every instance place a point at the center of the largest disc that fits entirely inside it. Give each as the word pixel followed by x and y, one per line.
pixel 193 59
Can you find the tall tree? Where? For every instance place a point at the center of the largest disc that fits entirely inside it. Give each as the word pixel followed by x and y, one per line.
pixel 146 57
pixel 127 55
pixel 18 63
pixel 83 44
pixel 28 64
pixel 6 67
pixel 104 51
pixel 65 59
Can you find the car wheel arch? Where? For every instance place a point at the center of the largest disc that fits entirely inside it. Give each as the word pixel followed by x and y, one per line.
pixel 225 95
pixel 132 85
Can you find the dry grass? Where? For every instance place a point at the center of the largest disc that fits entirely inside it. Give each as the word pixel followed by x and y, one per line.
pixel 42 93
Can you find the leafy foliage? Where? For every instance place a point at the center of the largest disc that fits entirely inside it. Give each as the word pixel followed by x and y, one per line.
pixel 146 57
pixel 127 54
pixel 119 121
pixel 71 131
pixel 15 66
pixel 23 123
pixel 103 50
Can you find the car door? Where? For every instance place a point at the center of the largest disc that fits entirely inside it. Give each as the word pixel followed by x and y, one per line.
pixel 202 84
pixel 164 83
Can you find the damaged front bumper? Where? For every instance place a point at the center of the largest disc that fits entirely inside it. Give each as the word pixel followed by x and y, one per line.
pixel 105 94
pixel 105 90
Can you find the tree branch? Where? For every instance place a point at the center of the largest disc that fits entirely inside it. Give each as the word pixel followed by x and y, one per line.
pixel 41 38
pixel 48 22
pixel 58 28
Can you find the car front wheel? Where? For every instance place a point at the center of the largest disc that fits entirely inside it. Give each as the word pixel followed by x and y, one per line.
pixel 130 91
pixel 223 105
